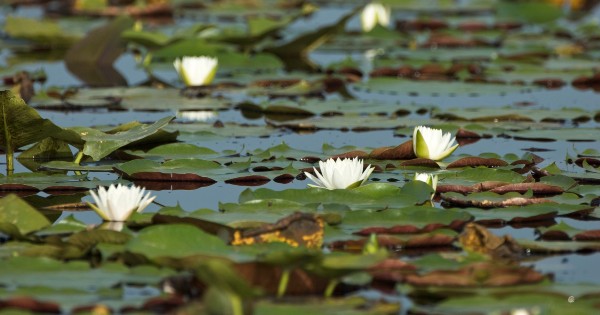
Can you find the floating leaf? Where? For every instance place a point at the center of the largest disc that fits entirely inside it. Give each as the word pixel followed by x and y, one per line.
pixel 16 212
pixel 99 144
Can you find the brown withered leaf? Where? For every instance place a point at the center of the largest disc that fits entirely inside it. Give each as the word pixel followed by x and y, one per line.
pixel 391 270
pixel 423 162
pixel 393 242
pixel 275 83
pixel 461 189
pixel 486 204
pixel 485 274
pixel 30 304
pixel 591 161
pixel 474 161
pixel 411 229
pixel 170 185
pixel 477 238
pixel 487 185
pixel 593 235
pixel 352 154
pixel 537 188
pixel 164 177
pixel 250 180
pixel 403 151
pixel 298 229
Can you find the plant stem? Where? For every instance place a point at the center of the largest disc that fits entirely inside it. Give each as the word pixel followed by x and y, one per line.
pixel 330 287
pixel 77 161
pixel 78 157
pixel 10 165
pixel 283 282
pixel 236 304
pixel 10 152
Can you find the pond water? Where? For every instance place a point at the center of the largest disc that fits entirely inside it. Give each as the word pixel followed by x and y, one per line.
pixel 568 268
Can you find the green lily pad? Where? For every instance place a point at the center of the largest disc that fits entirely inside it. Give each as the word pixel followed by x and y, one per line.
pixel 403 220
pixel 41 32
pixel 395 86
pixel 34 272
pixel 17 213
pixel 164 241
pixel 371 196
pixel 99 144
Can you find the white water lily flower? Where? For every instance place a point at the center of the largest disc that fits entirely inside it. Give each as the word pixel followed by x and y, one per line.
pixel 373 14
pixel 197 115
pixel 433 143
pixel 117 203
pixel 196 71
pixel 427 178
pixel 340 174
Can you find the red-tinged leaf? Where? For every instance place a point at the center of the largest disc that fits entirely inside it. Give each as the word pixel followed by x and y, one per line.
pixel 550 83
pixel 352 154
pixel 474 161
pixel 421 25
pixel 487 274
pixel 591 161
pixel 466 134
pixel 392 242
pixel 275 83
pixel 170 185
pixel 284 178
pixel 435 240
pixel 487 204
pixel 171 177
pixel 403 151
pixel 63 190
pixel 593 235
pixel 30 304
pixel 250 180
pixel 17 187
pixel 391 270
pixel 411 229
pixel 454 188
pixel 535 218
pixel 555 236
pixel 537 188
pixel 422 162
pixel 487 185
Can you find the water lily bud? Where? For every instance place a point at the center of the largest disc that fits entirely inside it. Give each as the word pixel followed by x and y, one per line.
pixel 372 245
pixel 196 71
pixel 432 143
pixel 427 178
pixel 340 174
pixel 373 14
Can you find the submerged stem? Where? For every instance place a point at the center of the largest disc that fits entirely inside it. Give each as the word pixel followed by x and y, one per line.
pixel 283 282
pixel 330 287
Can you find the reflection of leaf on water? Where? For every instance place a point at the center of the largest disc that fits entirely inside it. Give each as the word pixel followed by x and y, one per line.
pixel 91 58
pixel 295 53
